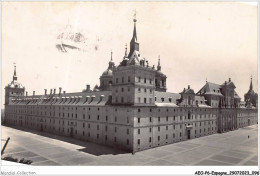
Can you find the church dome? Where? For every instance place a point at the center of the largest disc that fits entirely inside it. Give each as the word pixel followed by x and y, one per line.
pixel 107 72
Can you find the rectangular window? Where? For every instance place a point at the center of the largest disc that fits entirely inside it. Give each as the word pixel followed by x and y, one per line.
pixel 139 131
pixel 158 138
pixel 138 141
pixel 150 139
pixel 139 100
pixel 166 127
pixel 150 119
pixel 158 128
pixel 139 79
pixel 115 119
pixel 115 129
pixel 150 81
pixel 128 78
pixel 150 130
pixel 127 142
pixel 138 120
pixel 123 79
pixel 166 137
pixel 106 118
pixel 144 100
pixel 97 127
pixel 106 128
pixel 167 118
pixel 159 119
pixel 144 80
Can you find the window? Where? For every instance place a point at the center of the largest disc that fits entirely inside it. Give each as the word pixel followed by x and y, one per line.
pixel 128 78
pixel 83 125
pixel 138 141
pixel 139 79
pixel 97 136
pixel 106 137
pixel 166 127
pixel 122 89
pixel 144 80
pixel 139 110
pixel 139 131
pixel 154 98
pixel 167 118
pixel 139 89
pixel 158 138
pixel 116 80
pixel 144 89
pixel 98 117
pixel 123 79
pixel 150 119
pixel 138 119
pixel 174 118
pixel 115 119
pixel 139 100
pixel 180 134
pixel 122 99
pixel 150 81
pixel 127 131
pixel 106 118
pixel 144 100
pixel 127 119
pixel 97 127
pixel 127 142
pixel 159 119
pixel 150 129
pixel 166 137
pixel 106 128
pixel 128 89
pixel 83 116
pixel 162 99
pixel 150 139
pixel 115 129
pixel 158 128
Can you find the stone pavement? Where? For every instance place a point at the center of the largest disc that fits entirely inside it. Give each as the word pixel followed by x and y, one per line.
pixel 231 148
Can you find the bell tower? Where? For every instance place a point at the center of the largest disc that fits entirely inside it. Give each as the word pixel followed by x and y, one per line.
pixel 14 89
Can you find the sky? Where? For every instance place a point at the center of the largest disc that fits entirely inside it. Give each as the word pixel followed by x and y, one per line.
pixel 196 41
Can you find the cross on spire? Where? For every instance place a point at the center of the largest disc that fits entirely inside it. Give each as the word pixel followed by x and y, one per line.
pixel 135 15
pixel 14 76
pixel 251 84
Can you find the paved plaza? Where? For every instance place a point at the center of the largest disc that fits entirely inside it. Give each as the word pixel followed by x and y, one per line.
pixel 231 148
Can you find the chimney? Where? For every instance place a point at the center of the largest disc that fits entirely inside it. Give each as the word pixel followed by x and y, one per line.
pixel 54 91
pixel 45 91
pixel 188 86
pixel 64 92
pixel 88 88
pixel 59 90
pixel 33 93
pixel 229 79
pixel 51 92
pixel 26 93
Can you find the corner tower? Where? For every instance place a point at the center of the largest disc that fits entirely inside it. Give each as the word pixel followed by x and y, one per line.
pixel 133 79
pixel 14 89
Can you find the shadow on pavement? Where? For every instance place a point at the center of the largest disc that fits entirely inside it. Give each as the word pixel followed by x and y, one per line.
pixel 89 147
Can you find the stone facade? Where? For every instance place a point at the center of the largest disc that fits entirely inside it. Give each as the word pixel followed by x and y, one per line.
pixel 131 109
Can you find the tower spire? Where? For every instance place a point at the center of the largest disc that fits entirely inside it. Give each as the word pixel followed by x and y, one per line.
pixel 134 46
pixel 125 49
pixel 14 76
pixel 159 64
pixel 251 85
pixel 111 55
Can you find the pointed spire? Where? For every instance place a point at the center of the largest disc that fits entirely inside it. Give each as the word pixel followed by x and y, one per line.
pixel 134 46
pixel 251 85
pixel 14 76
pixel 159 64
pixel 111 64
pixel 206 79
pixel 135 20
pixel 126 50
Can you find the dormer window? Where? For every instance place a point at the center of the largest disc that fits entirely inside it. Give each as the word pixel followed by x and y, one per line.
pixel 162 99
